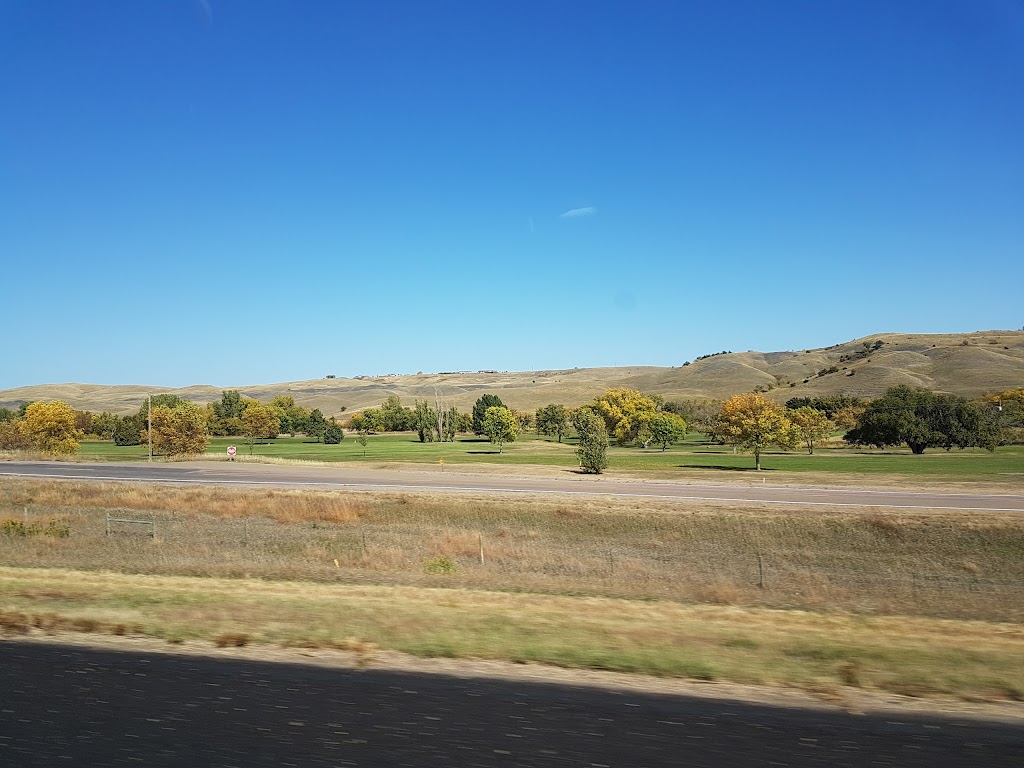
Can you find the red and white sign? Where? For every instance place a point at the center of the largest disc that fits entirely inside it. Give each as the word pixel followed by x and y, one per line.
pixel 231 450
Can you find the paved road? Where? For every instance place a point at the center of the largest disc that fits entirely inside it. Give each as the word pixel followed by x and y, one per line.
pixel 71 706
pixel 223 473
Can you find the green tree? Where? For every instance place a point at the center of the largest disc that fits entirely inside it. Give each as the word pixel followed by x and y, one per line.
pixel 812 425
pixel 362 440
pixel 230 405
pixel 280 405
pixel 830 405
pixel 924 419
pixel 295 420
pixel 448 425
pixel 128 431
pixel 316 425
pixel 480 410
pixel 552 420
pixel 333 434
pixel 753 423
pixel 224 417
pixel 8 414
pixel 103 425
pixel 163 400
pixel 373 419
pixel 181 430
pixel 464 423
pixel 394 417
pixel 592 449
pixel 666 428
pixel 500 425
pixel 1008 405
pixel 424 421
pixel 525 419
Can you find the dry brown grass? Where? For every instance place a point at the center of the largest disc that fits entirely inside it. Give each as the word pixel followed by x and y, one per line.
pixel 284 506
pixel 868 561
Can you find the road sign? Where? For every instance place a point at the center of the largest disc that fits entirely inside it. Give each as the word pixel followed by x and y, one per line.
pixel 231 451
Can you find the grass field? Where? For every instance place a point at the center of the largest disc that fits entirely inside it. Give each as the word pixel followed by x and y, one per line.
pixel 1004 466
pixel 823 653
pixel 922 603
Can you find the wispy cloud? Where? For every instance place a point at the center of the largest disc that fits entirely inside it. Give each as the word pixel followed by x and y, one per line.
pixel 207 10
pixel 575 213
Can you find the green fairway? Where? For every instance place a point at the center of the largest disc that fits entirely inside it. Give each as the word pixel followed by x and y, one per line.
pixel 1005 465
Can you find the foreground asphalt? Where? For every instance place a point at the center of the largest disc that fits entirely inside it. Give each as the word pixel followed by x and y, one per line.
pixel 74 706
pixel 224 473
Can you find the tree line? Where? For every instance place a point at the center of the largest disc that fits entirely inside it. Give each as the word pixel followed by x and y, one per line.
pixel 180 427
pixel 916 417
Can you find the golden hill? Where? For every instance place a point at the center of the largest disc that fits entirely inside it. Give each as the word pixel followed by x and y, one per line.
pixel 968 364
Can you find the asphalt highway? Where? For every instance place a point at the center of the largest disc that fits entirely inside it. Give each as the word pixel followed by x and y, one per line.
pixel 62 705
pixel 224 473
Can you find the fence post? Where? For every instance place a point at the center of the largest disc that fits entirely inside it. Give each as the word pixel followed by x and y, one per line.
pixel 152 533
pixel 760 571
pixel 108 523
pixel 611 561
pixel 364 540
pixel 481 549
pixel 26 517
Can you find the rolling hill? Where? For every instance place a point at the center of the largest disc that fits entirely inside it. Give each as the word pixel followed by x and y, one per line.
pixel 969 364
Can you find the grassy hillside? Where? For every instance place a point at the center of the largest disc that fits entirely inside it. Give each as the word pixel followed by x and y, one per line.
pixel 967 364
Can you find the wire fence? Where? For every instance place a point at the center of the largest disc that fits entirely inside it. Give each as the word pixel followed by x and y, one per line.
pixel 635 565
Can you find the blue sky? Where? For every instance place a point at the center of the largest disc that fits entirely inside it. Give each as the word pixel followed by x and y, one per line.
pixel 232 192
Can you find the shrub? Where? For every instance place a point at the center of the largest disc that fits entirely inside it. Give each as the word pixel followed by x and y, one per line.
pixel 442 565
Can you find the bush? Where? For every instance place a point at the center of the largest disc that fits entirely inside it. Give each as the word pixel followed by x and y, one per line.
pixel 593 443
pixel 58 529
pixel 441 565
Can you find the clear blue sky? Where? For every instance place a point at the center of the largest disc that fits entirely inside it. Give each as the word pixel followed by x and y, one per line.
pixel 232 191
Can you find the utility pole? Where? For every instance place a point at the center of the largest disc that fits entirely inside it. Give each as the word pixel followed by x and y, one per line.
pixel 149 430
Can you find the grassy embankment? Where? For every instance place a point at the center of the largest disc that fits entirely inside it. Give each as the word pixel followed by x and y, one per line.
pixel 920 603
pixel 693 457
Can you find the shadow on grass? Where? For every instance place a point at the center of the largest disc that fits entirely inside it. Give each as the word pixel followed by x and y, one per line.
pixel 483 453
pixel 724 468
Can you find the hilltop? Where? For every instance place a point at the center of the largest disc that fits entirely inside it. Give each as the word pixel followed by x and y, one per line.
pixel 968 364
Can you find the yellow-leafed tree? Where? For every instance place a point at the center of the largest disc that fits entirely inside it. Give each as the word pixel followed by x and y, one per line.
pixel 753 423
pixel 625 412
pixel 51 428
pixel 259 422
pixel 813 426
pixel 181 430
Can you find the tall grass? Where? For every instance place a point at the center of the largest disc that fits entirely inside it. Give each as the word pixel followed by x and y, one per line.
pixel 937 564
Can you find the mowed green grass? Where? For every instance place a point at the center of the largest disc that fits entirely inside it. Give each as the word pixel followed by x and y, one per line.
pixel 1005 465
